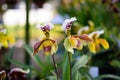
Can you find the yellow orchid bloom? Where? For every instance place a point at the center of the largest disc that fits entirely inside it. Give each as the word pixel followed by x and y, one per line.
pixel 5 39
pixel 95 45
pixel 73 41
pixel 49 46
pixel 76 42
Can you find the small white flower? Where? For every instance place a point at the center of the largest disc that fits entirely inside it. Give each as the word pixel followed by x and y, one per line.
pixel 67 23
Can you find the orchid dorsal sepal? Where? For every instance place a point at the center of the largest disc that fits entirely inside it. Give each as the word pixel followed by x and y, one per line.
pixel 67 23
pixel 45 27
pixel 96 34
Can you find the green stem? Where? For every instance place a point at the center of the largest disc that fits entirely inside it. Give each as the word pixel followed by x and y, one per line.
pixel 55 66
pixel 27 28
pixel 70 65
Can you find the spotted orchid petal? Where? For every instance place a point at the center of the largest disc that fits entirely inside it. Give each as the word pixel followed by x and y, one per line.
pixel 67 23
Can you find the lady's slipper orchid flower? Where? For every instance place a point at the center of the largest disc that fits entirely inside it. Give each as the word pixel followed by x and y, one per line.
pixel 5 39
pixel 76 42
pixel 67 24
pixel 18 74
pixel 95 45
pixel 49 46
pixel 73 41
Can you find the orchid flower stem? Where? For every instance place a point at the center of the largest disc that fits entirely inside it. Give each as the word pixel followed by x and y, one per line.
pixel 55 66
pixel 70 65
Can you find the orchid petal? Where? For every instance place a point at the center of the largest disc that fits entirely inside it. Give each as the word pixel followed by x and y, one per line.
pixel 104 43
pixel 36 47
pixel 91 47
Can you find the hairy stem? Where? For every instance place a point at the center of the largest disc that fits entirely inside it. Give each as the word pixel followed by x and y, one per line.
pixel 55 66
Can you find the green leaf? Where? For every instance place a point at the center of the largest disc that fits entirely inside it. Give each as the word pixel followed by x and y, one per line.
pixel 110 76
pixel 115 63
pixel 78 76
pixel 80 63
pixel 35 57
pixel 66 68
pixel 20 64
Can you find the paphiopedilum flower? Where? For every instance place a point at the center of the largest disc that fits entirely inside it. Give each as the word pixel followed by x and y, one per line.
pixel 66 26
pixel 5 39
pixel 76 42
pixel 73 41
pixel 95 45
pixel 18 74
pixel 49 46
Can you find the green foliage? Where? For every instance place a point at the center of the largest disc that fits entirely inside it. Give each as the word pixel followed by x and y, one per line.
pixel 66 68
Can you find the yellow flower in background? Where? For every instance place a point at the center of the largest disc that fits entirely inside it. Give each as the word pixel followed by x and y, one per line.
pixel 49 46
pixel 76 42
pixel 95 45
pixel 5 40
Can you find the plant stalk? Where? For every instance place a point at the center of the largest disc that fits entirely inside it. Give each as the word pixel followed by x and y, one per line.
pixel 70 65
pixel 55 66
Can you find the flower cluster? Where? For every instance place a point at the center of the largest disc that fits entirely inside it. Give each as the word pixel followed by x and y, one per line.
pixel 92 40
